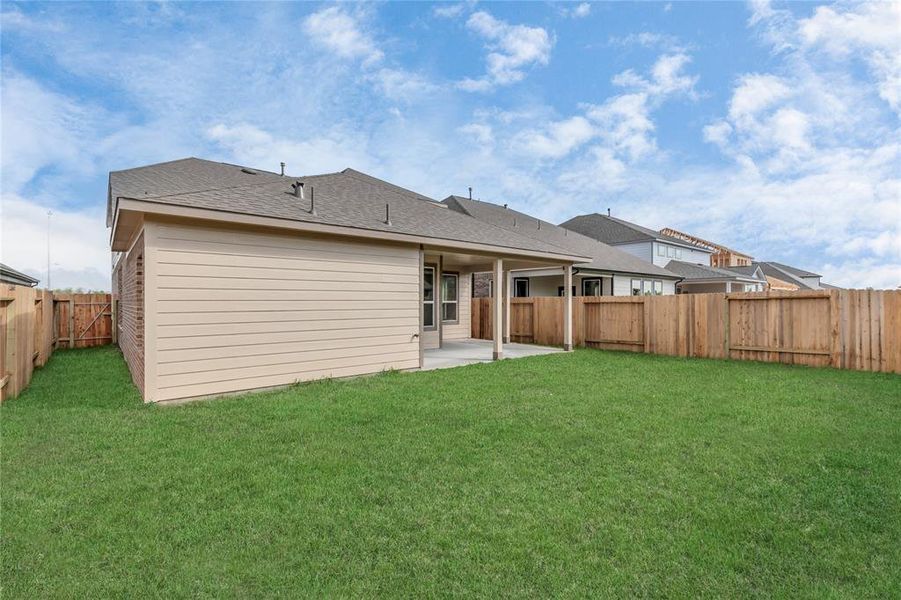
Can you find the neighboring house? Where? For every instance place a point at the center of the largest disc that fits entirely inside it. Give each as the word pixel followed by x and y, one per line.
pixel 787 277
pixel 704 279
pixel 722 256
pixel 11 276
pixel 647 244
pixel 611 272
pixel 231 279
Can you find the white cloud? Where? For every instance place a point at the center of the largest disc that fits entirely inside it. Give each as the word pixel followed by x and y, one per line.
pixel 755 93
pixel 512 49
pixel 340 32
pixel 449 10
pixel 579 11
pixel 481 133
pixel 336 149
pixel 556 140
pixel 649 39
pixel 625 124
pixel 79 253
pixel 666 77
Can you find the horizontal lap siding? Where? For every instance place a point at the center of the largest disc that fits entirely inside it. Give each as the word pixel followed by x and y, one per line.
pixel 239 310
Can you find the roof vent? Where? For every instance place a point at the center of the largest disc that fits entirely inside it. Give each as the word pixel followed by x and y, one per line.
pixel 505 206
pixel 248 171
pixel 470 192
pixel 298 189
pixel 387 214
pixel 283 169
pixel 608 212
pixel 312 202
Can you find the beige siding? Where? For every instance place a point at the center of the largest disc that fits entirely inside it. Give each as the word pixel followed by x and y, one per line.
pixel 238 310
pixel 128 288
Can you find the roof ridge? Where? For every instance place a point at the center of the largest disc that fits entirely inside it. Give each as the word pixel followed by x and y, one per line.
pixel 367 177
pixel 213 189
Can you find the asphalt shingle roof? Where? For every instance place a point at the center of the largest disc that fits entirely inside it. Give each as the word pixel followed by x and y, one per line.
pixel 611 230
pixel 794 270
pixel 694 271
pixel 348 199
pixel 10 275
pixel 604 257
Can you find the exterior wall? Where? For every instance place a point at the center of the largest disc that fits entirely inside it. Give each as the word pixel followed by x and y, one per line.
pixel 618 285
pixel 128 289
pixel 622 284
pixel 236 310
pixel 640 249
pixel 481 286
pixel 708 288
pixel 688 255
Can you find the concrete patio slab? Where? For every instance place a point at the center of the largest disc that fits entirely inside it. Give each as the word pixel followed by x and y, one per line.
pixel 467 352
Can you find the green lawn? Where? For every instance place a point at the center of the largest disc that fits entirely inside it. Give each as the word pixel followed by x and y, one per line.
pixel 592 473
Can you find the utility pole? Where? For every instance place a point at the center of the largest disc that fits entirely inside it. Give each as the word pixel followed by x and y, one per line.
pixel 49 214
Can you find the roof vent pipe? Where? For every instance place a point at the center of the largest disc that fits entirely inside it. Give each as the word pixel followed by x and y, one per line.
pixel 298 189
pixel 608 212
pixel 312 203
pixel 283 169
pixel 470 192
pixel 387 214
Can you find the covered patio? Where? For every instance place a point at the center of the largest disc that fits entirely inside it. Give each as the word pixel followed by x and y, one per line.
pixel 466 352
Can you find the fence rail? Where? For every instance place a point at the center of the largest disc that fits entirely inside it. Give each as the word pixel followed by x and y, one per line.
pixel 847 329
pixel 34 323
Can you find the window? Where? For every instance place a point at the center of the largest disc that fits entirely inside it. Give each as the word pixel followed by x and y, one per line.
pixel 449 290
pixel 678 252
pixel 591 287
pixel 560 290
pixel 670 252
pixel 661 250
pixel 520 287
pixel 636 287
pixel 658 288
pixel 428 297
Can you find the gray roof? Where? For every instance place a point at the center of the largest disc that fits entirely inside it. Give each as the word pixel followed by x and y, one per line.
pixel 691 271
pixel 611 230
pixel 10 275
pixel 793 270
pixel 346 199
pixel 604 257
pixel 785 273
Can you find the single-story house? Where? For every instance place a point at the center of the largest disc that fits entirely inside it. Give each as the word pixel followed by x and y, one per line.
pixel 611 272
pixel 787 277
pixel 13 277
pixel 229 278
pixel 704 279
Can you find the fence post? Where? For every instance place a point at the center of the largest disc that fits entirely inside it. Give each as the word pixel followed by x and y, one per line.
pixel 727 354
pixel 71 322
pixel 646 323
pixel 835 342
pixel 114 330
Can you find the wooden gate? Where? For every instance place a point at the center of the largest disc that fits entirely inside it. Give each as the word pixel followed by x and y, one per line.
pixel 82 320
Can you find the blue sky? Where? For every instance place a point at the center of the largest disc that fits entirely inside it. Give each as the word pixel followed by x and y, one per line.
pixel 772 128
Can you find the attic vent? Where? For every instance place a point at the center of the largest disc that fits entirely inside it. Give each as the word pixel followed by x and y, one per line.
pixel 249 171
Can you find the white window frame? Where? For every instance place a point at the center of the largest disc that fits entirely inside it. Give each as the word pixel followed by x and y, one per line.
pixel 658 287
pixel 670 252
pixel 633 287
pixel 661 250
pixel 455 301
pixel 431 302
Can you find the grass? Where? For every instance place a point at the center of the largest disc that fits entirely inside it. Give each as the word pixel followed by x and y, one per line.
pixel 591 473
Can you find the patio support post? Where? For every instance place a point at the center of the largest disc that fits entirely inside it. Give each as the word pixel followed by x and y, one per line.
pixel 508 292
pixel 568 308
pixel 498 306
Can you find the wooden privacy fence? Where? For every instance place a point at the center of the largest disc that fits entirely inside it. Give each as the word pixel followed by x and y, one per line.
pixel 33 323
pixel 847 329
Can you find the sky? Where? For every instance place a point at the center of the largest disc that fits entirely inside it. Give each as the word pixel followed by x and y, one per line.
pixel 772 128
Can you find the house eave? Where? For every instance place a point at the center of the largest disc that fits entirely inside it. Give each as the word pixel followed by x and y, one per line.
pixel 129 206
